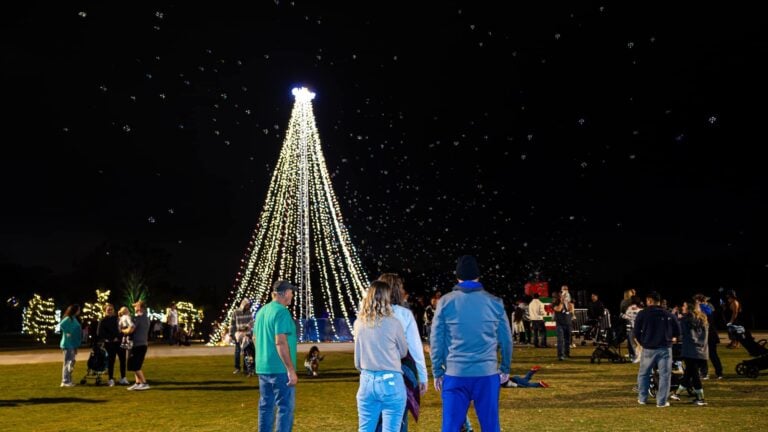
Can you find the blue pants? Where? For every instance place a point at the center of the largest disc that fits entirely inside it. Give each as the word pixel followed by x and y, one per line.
pixel 458 392
pixel 660 358
pixel 274 392
pixel 380 393
pixel 525 381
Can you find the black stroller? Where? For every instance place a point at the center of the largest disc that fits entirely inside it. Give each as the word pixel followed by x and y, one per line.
pixel 751 368
pixel 678 372
pixel 610 349
pixel 97 364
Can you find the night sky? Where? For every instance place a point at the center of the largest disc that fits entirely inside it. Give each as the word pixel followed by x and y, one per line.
pixel 605 144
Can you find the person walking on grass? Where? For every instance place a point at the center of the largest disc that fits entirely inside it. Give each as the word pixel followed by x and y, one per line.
pixel 469 327
pixel 275 336
pixel 140 332
pixel 71 338
pixel 379 345
pixel 694 330
pixel 656 329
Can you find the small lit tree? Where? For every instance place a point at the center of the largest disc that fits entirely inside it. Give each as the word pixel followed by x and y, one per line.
pixel 95 311
pixel 38 318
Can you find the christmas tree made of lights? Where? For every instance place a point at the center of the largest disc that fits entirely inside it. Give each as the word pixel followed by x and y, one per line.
pixel 301 238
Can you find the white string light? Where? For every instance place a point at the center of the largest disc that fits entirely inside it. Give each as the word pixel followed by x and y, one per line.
pixel 300 236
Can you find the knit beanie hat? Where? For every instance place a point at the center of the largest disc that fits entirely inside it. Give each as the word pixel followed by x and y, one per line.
pixel 466 268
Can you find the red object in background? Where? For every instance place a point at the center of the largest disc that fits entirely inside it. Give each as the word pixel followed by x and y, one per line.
pixel 537 287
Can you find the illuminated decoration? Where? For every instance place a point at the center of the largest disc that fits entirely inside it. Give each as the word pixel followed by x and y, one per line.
pixel 189 316
pixel 38 318
pixel 301 237
pixel 95 311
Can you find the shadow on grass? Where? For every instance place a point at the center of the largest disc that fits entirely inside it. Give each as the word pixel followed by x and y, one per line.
pixel 193 383
pixel 232 388
pixel 43 401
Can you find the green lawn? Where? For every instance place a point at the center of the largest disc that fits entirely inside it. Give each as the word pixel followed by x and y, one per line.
pixel 201 394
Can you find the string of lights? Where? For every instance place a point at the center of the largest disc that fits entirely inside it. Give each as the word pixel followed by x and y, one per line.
pixel 301 237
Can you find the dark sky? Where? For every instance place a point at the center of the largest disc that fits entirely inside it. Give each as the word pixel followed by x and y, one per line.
pixel 605 144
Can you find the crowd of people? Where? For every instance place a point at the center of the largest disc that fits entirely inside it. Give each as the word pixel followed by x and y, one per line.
pixel 470 336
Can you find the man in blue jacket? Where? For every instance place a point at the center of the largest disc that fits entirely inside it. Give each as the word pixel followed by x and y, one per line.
pixel 469 327
pixel 655 330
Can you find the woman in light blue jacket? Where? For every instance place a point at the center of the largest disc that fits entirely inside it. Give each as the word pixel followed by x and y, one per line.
pixel 71 337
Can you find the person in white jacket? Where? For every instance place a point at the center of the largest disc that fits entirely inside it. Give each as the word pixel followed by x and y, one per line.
pixel 537 313
pixel 405 316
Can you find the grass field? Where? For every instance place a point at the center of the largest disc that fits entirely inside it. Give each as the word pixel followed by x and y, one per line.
pixel 201 394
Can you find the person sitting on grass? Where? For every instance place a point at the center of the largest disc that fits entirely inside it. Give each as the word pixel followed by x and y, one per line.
pixel 312 360
pixel 517 381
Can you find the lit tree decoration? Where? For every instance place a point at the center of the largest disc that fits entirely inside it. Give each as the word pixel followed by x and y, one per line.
pixel 95 311
pixel 38 318
pixel 301 237
pixel 189 316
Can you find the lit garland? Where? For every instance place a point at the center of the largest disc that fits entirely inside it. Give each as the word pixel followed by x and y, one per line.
pixel 300 233
pixel 39 318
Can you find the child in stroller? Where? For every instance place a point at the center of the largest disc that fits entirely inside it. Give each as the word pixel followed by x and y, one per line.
pixel 97 363
pixel 611 348
pixel 249 354
pixel 750 368
pixel 312 360
pixel 678 372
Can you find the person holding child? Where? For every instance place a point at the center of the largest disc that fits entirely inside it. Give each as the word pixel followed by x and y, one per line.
pixel 109 332
pixel 140 332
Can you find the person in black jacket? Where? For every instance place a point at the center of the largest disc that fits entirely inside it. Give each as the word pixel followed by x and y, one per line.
pixel 656 329
pixel 110 334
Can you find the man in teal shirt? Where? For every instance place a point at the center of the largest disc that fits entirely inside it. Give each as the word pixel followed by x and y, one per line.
pixel 274 333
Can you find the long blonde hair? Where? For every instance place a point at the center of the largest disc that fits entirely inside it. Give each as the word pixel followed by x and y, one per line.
pixel 696 314
pixel 376 304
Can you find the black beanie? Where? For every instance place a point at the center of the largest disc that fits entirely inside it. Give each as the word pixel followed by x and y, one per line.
pixel 466 268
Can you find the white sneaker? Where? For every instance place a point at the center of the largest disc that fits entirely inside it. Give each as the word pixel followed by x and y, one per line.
pixel 111 383
pixel 674 397
pixel 666 404
pixel 69 384
pixel 133 387
pixel 123 381
pixel 142 386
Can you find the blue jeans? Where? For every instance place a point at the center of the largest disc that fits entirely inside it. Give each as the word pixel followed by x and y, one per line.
pixel 525 381
pixel 660 358
pixel 380 393
pixel 275 392
pixel 457 394
pixel 69 365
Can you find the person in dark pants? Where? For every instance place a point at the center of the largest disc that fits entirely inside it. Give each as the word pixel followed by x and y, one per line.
pixel 713 339
pixel 693 329
pixel 563 319
pixel 109 332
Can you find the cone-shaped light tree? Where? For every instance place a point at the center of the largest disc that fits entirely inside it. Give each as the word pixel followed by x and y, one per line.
pixel 301 237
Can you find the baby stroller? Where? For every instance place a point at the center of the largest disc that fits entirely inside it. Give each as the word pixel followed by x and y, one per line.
pixel 249 354
pixel 751 368
pixel 678 372
pixel 97 363
pixel 610 349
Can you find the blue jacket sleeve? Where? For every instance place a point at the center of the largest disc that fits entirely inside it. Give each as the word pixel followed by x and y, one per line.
pixel 504 336
pixel 438 343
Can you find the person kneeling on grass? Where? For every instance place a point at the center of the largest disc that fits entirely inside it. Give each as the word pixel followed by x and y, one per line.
pixel 517 381
pixel 312 360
